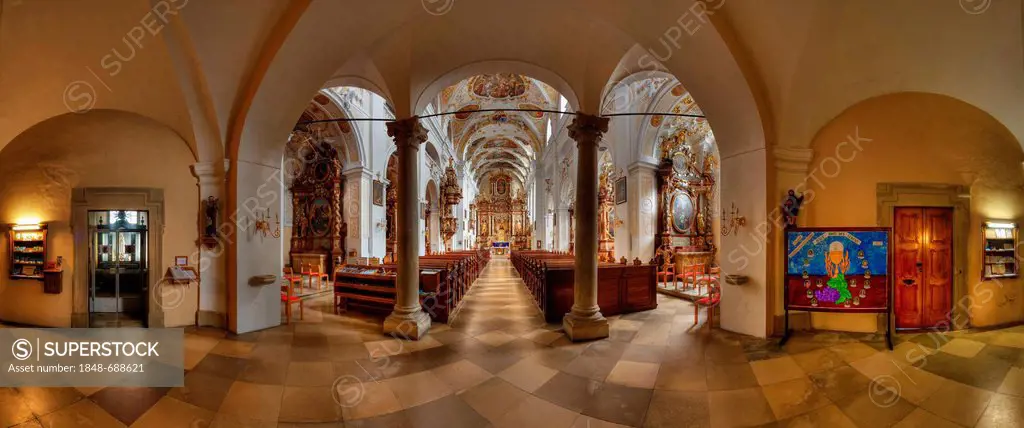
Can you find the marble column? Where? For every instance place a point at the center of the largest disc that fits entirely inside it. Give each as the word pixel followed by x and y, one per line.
pixel 584 321
pixel 211 262
pixel 408 321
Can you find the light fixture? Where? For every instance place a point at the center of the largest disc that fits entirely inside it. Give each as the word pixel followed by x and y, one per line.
pixel 262 224
pixel 1000 225
pixel 732 221
pixel 36 226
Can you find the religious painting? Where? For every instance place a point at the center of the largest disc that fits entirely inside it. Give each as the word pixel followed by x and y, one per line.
pixel 466 111
pixel 502 85
pixel 319 217
pixel 683 212
pixel 378 193
pixel 620 191
pixel 535 114
pixel 838 269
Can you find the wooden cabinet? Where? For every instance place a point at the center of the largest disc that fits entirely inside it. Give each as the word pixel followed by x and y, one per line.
pixel 999 258
pixel 27 251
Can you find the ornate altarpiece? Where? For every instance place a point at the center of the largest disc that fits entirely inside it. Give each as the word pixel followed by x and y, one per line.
pixel 686 187
pixel 502 218
pixel 316 206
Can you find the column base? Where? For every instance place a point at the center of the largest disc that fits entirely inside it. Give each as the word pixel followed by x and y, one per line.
pixel 590 328
pixel 213 319
pixel 409 326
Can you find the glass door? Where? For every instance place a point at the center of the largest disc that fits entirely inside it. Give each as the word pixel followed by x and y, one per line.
pixel 118 268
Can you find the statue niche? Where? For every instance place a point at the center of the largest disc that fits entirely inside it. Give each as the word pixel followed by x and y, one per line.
pixel 317 235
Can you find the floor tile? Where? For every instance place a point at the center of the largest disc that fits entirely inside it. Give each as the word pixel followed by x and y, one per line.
pixel 371 399
pixel 416 389
pixel 461 375
pixel 959 403
pixel 82 413
pixel 202 390
pixel 46 400
pixel 828 416
pixel 981 372
pixel 493 398
pixel 678 409
pixel 584 421
pixel 1013 383
pixel 730 376
pixel 922 418
pixel 725 408
pixel 794 397
pixel 13 409
pixel 619 404
pixel 527 375
pixel 1003 411
pixel 776 370
pixel 231 348
pixel 307 404
pixel 595 368
pixel 818 360
pixel 634 374
pixel 447 412
pixel 854 351
pixel 840 383
pixel 127 404
pixel 963 347
pixel 169 412
pixel 241 396
pixel 495 338
pixel 875 410
pixel 681 376
pixel 569 391
pixel 534 412
pixel 310 374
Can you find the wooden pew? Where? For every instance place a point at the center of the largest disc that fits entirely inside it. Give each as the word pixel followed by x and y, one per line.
pixel 550 277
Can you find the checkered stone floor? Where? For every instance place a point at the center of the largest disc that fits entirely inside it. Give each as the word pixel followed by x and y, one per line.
pixel 500 365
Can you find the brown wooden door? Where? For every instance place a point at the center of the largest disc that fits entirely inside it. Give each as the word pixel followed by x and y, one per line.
pixel 923 277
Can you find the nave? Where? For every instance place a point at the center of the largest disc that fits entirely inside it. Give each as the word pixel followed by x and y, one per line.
pixel 500 365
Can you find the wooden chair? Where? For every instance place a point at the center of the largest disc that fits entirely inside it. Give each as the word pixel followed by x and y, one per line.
pixel 668 271
pixel 709 301
pixel 320 277
pixel 288 298
pixel 307 271
pixel 291 278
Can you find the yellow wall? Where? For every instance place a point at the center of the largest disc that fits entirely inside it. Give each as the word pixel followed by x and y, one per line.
pixel 919 138
pixel 96 149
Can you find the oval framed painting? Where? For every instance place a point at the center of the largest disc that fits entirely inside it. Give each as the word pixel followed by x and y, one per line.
pixel 683 212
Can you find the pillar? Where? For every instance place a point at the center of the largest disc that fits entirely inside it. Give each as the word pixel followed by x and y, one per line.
pixel 792 166
pixel 407 321
pixel 211 262
pixel 643 209
pixel 584 321
pixel 358 210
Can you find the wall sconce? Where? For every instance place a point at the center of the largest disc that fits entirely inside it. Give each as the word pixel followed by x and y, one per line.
pixel 732 221
pixel 262 223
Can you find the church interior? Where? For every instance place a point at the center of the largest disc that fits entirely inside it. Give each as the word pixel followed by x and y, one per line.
pixel 648 213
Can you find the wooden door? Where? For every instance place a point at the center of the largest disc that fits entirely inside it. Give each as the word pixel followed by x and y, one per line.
pixel 923 276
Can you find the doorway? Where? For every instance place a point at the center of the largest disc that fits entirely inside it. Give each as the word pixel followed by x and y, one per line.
pixel 923 275
pixel 118 268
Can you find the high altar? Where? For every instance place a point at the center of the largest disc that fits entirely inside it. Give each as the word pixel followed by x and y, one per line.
pixel 502 217
pixel 318 232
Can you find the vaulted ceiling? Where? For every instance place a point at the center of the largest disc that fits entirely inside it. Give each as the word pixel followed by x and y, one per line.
pixel 492 141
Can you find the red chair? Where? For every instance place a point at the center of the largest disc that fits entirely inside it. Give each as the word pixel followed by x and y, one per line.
pixel 667 271
pixel 291 278
pixel 321 277
pixel 712 299
pixel 288 298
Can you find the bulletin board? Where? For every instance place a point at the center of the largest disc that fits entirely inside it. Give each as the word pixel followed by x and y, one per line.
pixel 842 270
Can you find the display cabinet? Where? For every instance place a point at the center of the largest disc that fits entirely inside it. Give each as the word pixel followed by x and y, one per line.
pixel 1000 250
pixel 27 251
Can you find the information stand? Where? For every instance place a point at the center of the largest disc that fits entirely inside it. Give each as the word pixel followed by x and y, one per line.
pixel 839 270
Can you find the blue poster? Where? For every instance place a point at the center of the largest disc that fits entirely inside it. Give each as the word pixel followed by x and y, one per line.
pixel 837 269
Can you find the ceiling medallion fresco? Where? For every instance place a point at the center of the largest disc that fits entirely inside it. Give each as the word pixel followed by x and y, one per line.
pixel 467 111
pixel 534 114
pixel 678 90
pixel 503 85
pixel 501 143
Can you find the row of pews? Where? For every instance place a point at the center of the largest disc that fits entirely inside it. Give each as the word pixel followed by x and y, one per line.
pixel 444 281
pixel 621 288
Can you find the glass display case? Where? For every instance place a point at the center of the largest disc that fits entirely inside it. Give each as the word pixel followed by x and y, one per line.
pixel 28 251
pixel 1000 250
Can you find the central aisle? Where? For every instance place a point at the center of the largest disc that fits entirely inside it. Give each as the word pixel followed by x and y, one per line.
pixel 498 299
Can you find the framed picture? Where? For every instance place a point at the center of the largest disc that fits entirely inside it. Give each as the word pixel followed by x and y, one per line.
pixel 181 260
pixel 378 193
pixel 620 191
pixel 838 269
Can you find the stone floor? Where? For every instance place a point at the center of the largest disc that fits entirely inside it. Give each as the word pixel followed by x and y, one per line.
pixel 500 365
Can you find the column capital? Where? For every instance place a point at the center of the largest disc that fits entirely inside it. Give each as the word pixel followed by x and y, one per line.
pixel 357 172
pixel 407 132
pixel 643 165
pixel 212 170
pixel 793 159
pixel 587 129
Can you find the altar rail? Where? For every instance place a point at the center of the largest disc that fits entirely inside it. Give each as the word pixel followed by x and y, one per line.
pixel 549 276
